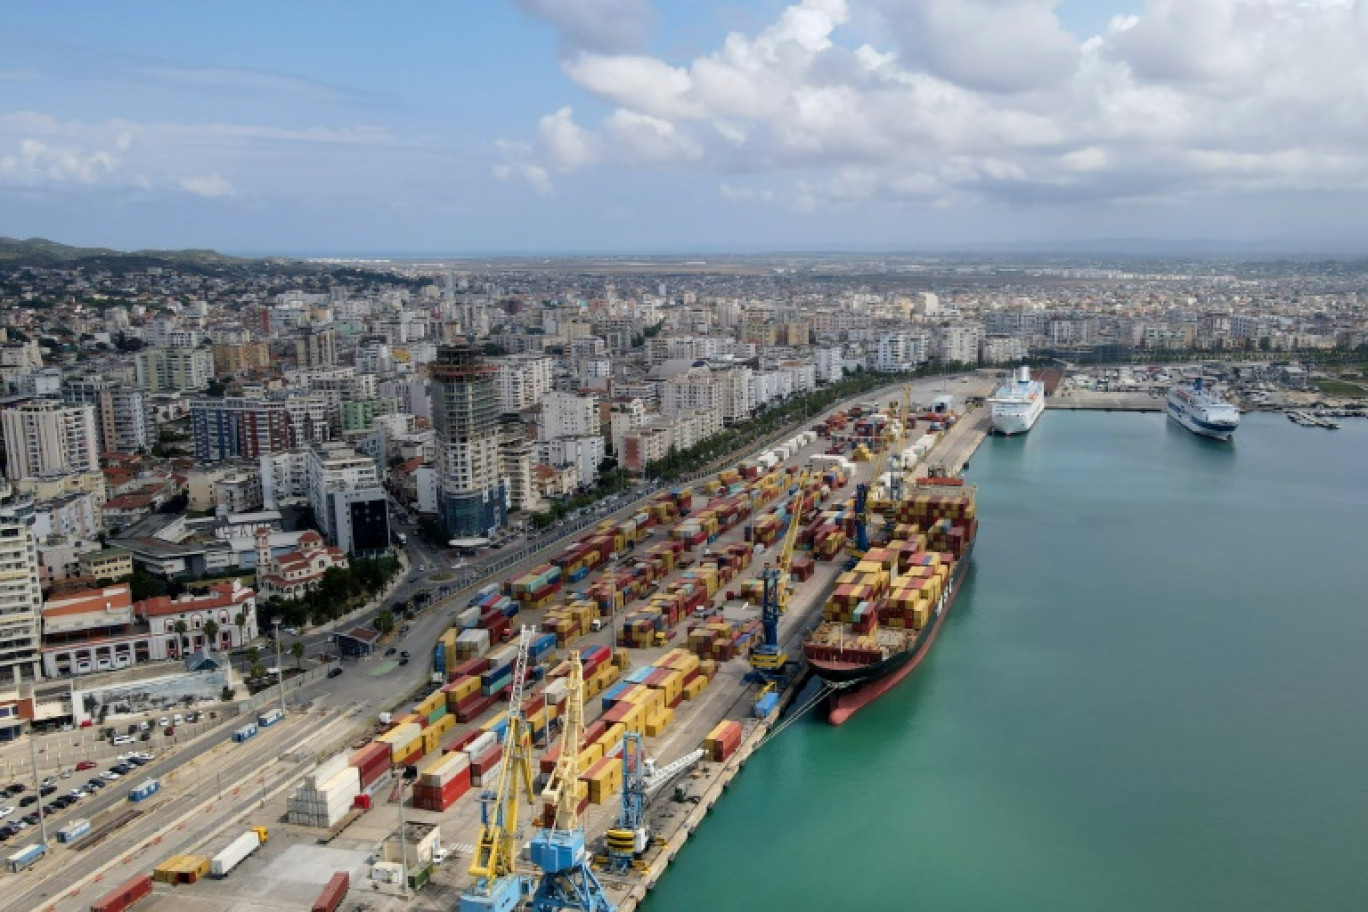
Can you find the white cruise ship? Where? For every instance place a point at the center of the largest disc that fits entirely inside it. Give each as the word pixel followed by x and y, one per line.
pixel 1018 403
pixel 1196 409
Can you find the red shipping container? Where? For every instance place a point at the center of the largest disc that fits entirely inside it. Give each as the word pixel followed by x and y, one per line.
pixel 593 732
pixel 333 893
pixel 362 802
pixel 488 760
pixel 117 900
pixel 441 798
pixel 471 667
pixel 413 758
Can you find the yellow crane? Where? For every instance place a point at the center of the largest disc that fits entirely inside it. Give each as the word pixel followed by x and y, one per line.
pixel 498 886
pixel 768 660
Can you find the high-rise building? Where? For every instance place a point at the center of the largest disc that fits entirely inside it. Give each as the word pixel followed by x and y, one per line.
pixel 164 370
pixel 123 415
pixel 347 499
pixel 246 427
pixel 522 381
pixel 21 597
pixel 472 494
pixel 45 436
pixel 568 415
pixel 316 348
pixel 231 359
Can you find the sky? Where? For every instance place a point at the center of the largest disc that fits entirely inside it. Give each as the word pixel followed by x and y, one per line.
pixel 599 126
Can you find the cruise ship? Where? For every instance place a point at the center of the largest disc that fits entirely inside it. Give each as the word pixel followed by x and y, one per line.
pixel 1017 404
pixel 1196 409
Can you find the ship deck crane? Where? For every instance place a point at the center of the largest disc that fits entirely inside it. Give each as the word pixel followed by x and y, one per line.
pixel 498 887
pixel 864 491
pixel 769 662
pixel 567 881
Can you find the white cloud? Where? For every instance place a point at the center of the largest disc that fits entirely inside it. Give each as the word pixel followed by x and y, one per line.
pixel 567 145
pixel 518 166
pixel 597 25
pixel 949 101
pixel 210 185
pixel 39 150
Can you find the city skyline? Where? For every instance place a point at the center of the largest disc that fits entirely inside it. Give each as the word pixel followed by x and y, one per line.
pixel 538 126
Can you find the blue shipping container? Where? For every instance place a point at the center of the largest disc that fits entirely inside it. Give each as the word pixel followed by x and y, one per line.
pixel 765 705
pixel 270 717
pixel 439 658
pixel 242 734
pixel 144 789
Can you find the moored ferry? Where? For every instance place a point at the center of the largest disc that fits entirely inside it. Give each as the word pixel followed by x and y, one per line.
pixel 1195 407
pixel 1017 404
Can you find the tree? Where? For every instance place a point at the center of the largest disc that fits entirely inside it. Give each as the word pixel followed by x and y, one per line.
pixel 297 650
pixel 257 672
pixel 211 632
pixel 181 630
pixel 143 586
pixel 240 621
pixel 384 622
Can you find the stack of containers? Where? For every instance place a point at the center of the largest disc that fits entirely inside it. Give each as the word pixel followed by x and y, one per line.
pixel 535 588
pixel 486 758
pixel 372 762
pixel 468 644
pixel 722 741
pixel 563 623
pixel 603 780
pixel 441 781
pixel 405 742
pixel 500 672
pixel 326 794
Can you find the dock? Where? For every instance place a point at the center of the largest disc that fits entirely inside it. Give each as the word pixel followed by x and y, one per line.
pixel 1089 400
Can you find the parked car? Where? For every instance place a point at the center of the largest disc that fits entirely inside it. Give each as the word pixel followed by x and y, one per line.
pixel 86 765
pixel 334 672
pixel 28 800
pixel 47 790
pixel 6 811
pixel 168 731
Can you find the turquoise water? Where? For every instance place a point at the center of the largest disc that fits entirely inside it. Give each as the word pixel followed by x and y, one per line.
pixel 1150 696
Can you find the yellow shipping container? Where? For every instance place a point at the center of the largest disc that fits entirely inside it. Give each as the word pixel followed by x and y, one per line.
pixel 489 726
pixel 695 687
pixel 610 740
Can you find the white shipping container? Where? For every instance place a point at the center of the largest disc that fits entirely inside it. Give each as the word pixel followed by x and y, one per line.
pixel 481 745
pixel 233 854
pixel 474 641
pixel 402 734
pixel 326 770
pixel 444 769
pixel 468 617
pixel 555 691
pixel 490 777
pixel 349 777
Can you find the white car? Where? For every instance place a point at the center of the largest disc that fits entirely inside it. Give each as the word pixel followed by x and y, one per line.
pixel 109 775
pixel 6 811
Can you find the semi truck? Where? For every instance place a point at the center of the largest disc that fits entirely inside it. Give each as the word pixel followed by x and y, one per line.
pixel 222 864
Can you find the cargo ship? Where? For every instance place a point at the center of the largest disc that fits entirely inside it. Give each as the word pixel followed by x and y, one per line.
pixel 883 615
pixel 1017 404
pixel 1197 409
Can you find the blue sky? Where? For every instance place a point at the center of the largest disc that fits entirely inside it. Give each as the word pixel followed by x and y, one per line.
pixel 600 125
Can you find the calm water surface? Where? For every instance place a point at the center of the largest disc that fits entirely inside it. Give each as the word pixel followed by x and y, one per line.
pixel 1151 695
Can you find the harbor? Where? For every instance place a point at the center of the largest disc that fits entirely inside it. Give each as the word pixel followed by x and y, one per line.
pixel 306 847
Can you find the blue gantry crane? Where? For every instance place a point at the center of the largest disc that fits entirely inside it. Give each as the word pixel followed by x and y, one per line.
pixel 769 662
pixel 630 837
pixel 567 880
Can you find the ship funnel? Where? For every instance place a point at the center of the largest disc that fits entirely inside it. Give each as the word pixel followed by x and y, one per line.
pixel 1024 374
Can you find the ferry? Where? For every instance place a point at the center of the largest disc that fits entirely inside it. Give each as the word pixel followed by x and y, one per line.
pixel 1197 409
pixel 1017 404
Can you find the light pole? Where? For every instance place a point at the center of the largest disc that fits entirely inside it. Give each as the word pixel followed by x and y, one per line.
pixel 280 669
pixel 403 839
pixel 37 783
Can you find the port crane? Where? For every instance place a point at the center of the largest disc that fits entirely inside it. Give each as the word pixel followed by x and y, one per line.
pixel 864 491
pixel 768 660
pixel 567 881
pixel 629 838
pixel 498 887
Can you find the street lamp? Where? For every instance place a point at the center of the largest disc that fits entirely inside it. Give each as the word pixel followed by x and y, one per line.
pixel 280 669
pixel 37 783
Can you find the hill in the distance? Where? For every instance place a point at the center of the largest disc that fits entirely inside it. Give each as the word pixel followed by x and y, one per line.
pixel 42 252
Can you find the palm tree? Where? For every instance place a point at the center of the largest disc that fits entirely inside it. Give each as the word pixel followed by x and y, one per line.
pixel 180 628
pixel 211 630
pixel 297 650
pixel 240 621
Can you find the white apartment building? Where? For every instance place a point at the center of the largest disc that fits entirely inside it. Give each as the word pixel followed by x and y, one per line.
pixel 522 381
pixel 45 436
pixel 568 415
pixel 1002 349
pixel 348 502
pixel 21 596
pixel 899 351
pixel 623 418
pixel 161 370
pixel 829 365
pixel 731 393
pixel 959 344
pixel 584 453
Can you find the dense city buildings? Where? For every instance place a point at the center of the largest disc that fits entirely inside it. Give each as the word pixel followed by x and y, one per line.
pixel 166 420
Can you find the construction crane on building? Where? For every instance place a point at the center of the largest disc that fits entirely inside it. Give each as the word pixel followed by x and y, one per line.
pixel 567 881
pixel 642 780
pixel 498 887
pixel 769 662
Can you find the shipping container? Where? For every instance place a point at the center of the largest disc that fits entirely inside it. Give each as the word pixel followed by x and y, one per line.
pixel 233 854
pixel 25 857
pixel 73 831
pixel 143 790
pixel 270 717
pixel 117 900
pixel 245 732
pixel 333 893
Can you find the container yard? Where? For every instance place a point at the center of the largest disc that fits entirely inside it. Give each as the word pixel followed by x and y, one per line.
pixel 661 610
